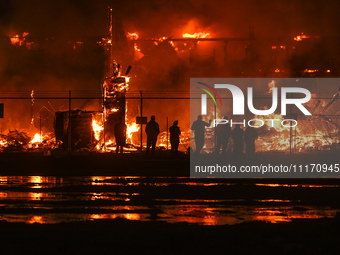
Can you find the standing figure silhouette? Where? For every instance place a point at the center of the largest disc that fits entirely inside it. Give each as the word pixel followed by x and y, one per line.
pixel 174 137
pixel 152 131
pixel 237 136
pixel 199 127
pixel 223 132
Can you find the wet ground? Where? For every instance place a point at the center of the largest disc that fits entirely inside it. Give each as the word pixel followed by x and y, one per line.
pixel 48 199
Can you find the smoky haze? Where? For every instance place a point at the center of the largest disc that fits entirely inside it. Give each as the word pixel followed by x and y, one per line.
pixel 60 64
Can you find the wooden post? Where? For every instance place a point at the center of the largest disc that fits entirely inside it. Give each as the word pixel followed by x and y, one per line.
pixel 69 122
pixel 141 125
pixel 167 133
pixel 40 130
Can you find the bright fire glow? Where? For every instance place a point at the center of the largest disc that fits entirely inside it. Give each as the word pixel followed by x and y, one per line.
pixel 271 85
pixel 301 37
pixel 36 138
pixel 136 48
pixel 19 40
pixel 132 36
pixel 310 70
pixel 196 35
pixel 131 128
pixel 97 129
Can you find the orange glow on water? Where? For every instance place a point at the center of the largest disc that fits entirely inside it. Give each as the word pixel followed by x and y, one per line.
pixel 36 219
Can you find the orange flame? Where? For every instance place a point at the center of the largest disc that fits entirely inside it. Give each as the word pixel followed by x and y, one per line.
pixel 196 35
pixel 97 128
pixel 131 129
pixel 132 36
pixel 301 37
pixel 19 40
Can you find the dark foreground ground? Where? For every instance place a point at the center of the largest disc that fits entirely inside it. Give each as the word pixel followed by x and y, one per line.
pixel 122 236
pixel 63 163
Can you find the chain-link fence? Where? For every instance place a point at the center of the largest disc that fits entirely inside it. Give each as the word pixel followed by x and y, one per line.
pixel 30 121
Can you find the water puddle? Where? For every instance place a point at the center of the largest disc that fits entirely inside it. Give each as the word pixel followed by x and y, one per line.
pixel 48 199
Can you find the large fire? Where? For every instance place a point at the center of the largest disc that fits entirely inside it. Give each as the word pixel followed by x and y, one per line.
pixel 134 36
pixel 98 128
pixel 310 135
pixel 130 130
pixel 314 133
pixel 178 46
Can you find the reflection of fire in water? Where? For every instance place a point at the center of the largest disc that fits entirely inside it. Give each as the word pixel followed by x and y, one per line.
pixel 286 214
pixel 128 216
pixel 36 219
pixel 36 179
pixel 35 196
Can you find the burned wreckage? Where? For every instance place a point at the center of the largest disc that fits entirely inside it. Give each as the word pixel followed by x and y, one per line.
pixel 78 129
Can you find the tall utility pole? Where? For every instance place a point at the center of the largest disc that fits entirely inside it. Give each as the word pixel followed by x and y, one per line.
pixel 141 125
pixel 69 137
pixel 119 49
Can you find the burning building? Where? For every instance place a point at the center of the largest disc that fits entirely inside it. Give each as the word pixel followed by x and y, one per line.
pixel 163 62
pixel 74 129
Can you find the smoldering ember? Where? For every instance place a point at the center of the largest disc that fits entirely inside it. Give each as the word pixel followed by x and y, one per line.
pixel 101 123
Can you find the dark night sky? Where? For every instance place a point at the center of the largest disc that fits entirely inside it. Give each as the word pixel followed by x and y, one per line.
pixel 160 17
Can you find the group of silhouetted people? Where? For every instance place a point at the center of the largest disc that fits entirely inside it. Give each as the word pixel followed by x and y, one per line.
pixel 223 132
pixel 152 132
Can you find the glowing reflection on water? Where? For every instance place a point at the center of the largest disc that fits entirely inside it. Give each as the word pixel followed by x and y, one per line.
pixel 36 219
pixel 46 199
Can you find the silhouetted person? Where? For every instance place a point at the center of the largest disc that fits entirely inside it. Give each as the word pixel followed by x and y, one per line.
pixel 250 135
pixel 237 136
pixel 152 131
pixel 199 127
pixel 174 137
pixel 223 132
pixel 120 134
